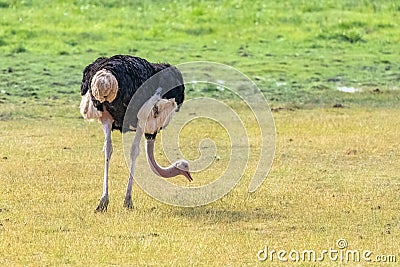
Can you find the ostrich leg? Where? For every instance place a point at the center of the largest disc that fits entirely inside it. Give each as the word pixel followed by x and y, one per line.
pixel 134 153
pixel 107 121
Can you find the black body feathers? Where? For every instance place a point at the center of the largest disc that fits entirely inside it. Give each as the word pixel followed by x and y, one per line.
pixel 131 72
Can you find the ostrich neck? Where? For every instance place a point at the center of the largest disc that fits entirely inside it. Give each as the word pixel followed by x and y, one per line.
pixel 168 172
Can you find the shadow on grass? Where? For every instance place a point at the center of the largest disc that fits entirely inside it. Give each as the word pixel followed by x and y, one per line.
pixel 228 216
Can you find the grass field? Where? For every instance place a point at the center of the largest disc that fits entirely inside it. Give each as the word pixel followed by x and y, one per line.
pixel 335 172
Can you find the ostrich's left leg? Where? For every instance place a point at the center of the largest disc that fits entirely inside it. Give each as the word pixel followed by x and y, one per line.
pixel 107 121
pixel 134 153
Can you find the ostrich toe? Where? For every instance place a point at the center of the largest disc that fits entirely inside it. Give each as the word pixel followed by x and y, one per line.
pixel 128 203
pixel 102 204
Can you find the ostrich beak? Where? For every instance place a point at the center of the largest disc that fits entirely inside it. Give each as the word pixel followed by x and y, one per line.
pixel 187 175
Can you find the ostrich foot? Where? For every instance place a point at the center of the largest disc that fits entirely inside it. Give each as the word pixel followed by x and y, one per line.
pixel 128 202
pixel 102 204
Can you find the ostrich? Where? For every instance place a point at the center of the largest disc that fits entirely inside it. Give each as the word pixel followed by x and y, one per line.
pixel 108 85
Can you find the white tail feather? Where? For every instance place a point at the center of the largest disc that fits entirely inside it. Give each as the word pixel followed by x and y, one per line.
pixel 88 111
pixel 104 86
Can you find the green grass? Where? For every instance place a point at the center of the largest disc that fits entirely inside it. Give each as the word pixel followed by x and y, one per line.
pixel 297 52
pixel 335 173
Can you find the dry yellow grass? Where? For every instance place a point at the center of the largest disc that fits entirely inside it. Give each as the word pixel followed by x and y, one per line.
pixel 335 175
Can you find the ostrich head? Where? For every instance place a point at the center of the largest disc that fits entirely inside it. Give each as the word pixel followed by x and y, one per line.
pixel 104 86
pixel 182 167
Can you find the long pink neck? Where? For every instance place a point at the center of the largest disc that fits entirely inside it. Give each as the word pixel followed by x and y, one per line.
pixel 168 172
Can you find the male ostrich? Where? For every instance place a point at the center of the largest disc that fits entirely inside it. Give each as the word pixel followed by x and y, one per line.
pixel 108 85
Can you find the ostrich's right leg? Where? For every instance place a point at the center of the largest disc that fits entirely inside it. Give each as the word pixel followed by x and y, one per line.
pixel 107 121
pixel 134 153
